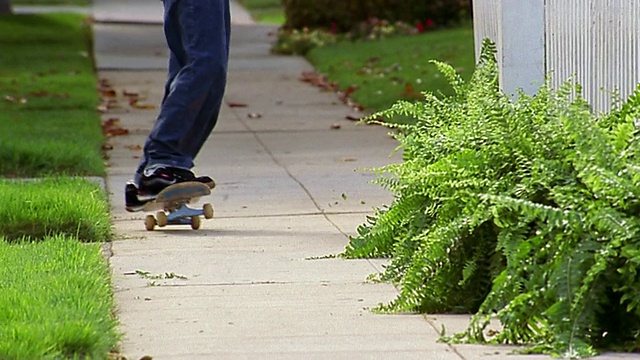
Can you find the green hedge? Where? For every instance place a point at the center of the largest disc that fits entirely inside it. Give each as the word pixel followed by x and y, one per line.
pixel 345 15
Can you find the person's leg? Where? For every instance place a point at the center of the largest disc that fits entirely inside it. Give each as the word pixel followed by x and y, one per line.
pixel 208 116
pixel 197 34
pixel 174 67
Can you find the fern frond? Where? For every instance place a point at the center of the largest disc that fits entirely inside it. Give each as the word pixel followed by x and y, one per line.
pixel 523 209
pixel 454 79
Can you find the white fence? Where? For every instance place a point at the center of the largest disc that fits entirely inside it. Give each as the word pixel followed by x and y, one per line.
pixel 596 41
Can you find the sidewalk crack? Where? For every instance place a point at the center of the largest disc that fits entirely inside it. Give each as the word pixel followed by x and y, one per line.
pixel 292 177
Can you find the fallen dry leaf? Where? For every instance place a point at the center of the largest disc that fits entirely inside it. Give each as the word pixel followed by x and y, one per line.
pixel 107 104
pixel 134 147
pixel 104 83
pixel 321 81
pixel 236 104
pixel 129 93
pixel 117 132
pixel 111 122
pixel 142 106
pixel 41 93
pixel 133 99
pixel 318 80
pixel 111 127
pixel 346 94
pixel 108 93
pixel 410 92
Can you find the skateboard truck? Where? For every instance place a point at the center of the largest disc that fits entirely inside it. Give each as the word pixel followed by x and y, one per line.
pixel 172 204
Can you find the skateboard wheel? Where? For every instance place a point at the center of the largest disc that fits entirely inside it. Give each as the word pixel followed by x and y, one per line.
pixel 150 222
pixel 195 222
pixel 208 211
pixel 161 219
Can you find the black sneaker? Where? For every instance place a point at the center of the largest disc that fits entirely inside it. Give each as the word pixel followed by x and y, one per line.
pixel 137 196
pixel 206 180
pixel 134 199
pixel 164 177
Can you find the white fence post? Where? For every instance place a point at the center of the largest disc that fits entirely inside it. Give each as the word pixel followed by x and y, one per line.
pixel 517 28
pixel 522 45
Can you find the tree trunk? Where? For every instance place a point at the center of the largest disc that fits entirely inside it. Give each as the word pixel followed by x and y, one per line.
pixel 5 7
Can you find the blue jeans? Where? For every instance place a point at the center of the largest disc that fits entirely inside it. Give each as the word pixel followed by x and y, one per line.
pixel 197 34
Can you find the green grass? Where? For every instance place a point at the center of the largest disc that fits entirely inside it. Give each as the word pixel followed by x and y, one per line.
pixel 396 68
pixel 53 206
pixel 52 2
pixel 386 70
pixel 55 295
pixel 35 143
pixel 265 11
pixel 56 300
pixel 48 118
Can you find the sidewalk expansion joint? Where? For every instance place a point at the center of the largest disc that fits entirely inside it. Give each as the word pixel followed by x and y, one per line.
pixel 129 69
pixel 439 331
pixel 251 283
pixel 280 131
pixel 126 22
pixel 292 177
pixel 267 216
pixel 319 213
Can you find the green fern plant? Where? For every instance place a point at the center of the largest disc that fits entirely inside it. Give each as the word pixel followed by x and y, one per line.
pixel 525 210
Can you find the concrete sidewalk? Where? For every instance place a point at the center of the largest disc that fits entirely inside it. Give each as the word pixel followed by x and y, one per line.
pixel 255 282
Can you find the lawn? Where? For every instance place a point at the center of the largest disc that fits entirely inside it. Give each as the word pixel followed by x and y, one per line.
pixel 386 70
pixel 391 69
pixel 56 300
pixel 34 143
pixel 265 11
pixel 48 119
pixel 52 2
pixel 52 206
pixel 56 293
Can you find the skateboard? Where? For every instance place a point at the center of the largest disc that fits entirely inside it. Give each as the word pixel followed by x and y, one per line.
pixel 172 207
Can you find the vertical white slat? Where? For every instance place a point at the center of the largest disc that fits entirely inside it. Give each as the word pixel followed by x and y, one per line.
pixel 487 24
pixel 597 42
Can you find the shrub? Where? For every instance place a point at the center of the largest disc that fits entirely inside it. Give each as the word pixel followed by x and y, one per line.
pixel 345 15
pixel 301 41
pixel 375 29
pixel 523 209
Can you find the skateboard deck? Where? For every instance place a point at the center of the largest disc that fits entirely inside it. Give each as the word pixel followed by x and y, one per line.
pixel 172 207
